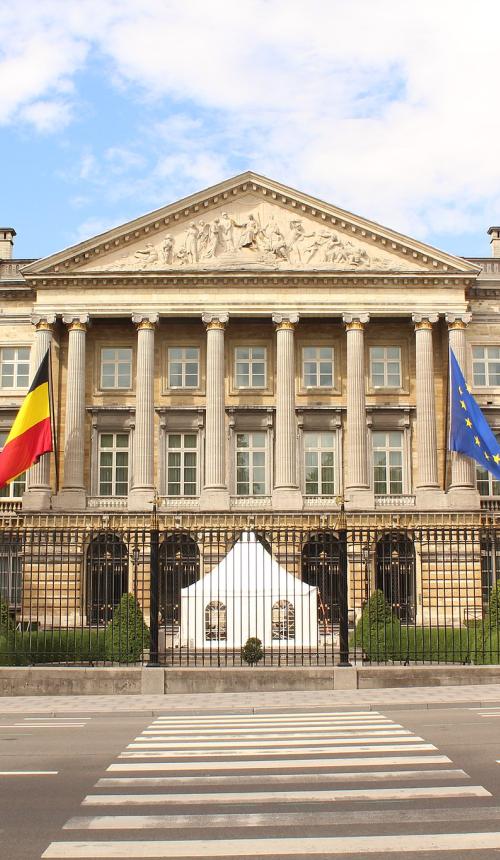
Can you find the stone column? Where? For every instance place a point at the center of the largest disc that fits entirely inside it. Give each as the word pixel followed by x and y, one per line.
pixel 215 495
pixel 358 492
pixel 462 492
pixel 286 493
pixel 73 495
pixel 141 495
pixel 38 492
pixel 428 492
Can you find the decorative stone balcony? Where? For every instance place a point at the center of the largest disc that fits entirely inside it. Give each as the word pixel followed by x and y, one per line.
pixel 395 502
pixel 107 503
pixel 490 503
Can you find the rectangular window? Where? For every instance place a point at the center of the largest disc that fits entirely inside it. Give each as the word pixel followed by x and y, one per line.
pixel 250 366
pixel 11 571
pixel 385 366
pixel 251 464
pixel 319 460
pixel 388 462
pixel 486 366
pixel 16 488
pixel 487 485
pixel 182 464
pixel 113 464
pixel 317 366
pixel 14 366
pixel 116 367
pixel 183 367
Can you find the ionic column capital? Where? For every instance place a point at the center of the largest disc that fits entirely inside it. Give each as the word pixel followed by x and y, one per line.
pixel 285 320
pixel 458 320
pixel 424 320
pixel 215 320
pixel 76 322
pixel 145 321
pixel 355 321
pixel 43 322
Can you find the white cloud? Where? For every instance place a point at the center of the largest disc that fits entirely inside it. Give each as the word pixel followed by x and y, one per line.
pixel 387 108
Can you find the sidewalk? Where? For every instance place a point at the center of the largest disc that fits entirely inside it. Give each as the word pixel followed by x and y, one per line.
pixel 473 695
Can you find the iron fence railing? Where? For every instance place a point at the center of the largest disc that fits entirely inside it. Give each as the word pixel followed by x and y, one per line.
pixel 194 596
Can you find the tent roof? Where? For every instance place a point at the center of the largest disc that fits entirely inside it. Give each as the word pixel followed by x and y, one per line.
pixel 249 569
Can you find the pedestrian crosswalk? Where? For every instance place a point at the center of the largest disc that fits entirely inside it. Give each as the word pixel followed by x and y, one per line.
pixel 280 785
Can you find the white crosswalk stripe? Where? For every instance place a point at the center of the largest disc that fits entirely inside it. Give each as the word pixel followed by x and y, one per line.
pixel 278 774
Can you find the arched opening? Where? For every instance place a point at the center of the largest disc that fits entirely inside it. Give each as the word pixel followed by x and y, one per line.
pixel 179 561
pixel 396 573
pixel 215 621
pixel 320 568
pixel 283 620
pixel 11 570
pixel 107 576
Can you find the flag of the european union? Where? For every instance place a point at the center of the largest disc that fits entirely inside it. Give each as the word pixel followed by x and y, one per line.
pixel 470 433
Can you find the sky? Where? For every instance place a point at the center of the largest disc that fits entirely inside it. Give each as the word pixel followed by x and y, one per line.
pixel 386 108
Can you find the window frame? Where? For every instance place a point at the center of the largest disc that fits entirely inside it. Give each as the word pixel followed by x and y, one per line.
pixel 489 477
pixel 183 450
pixel 317 360
pixel 238 389
pixel 180 389
pixel 251 449
pixel 488 385
pixel 320 450
pixel 12 592
pixel 388 465
pixel 15 387
pixel 114 388
pixel 20 481
pixel 385 361
pixel 114 450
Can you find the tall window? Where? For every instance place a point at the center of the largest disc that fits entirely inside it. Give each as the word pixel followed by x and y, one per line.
pixel 250 464
pixel 487 485
pixel 16 488
pixel 14 366
pixel 486 365
pixel 113 464
pixel 250 366
pixel 317 366
pixel 183 367
pixel 319 464
pixel 182 457
pixel 385 366
pixel 11 570
pixel 116 367
pixel 388 462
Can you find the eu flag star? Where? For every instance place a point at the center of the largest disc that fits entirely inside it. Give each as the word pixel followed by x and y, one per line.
pixel 496 458
pixel 460 390
pixel 476 440
pixel 462 404
pixel 486 455
pixel 468 422
pixel 469 389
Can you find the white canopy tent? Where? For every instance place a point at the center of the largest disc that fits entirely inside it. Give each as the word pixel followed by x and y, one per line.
pixel 249 594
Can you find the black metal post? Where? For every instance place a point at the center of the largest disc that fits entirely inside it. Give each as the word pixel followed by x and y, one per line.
pixel 153 594
pixel 343 606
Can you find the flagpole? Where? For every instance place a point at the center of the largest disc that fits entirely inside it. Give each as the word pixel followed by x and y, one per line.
pixel 53 421
pixel 447 419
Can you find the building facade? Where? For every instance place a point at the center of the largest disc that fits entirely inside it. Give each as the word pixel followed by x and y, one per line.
pixel 251 353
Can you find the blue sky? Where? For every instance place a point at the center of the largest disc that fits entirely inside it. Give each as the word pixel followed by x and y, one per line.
pixel 388 109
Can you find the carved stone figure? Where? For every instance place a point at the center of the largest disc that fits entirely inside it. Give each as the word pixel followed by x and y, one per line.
pixel 191 243
pixel 227 233
pixel 203 238
pixel 167 249
pixel 214 239
pixel 248 237
pixel 146 256
pixel 295 240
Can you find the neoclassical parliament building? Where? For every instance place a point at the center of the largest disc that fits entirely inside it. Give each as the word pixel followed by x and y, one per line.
pixel 250 349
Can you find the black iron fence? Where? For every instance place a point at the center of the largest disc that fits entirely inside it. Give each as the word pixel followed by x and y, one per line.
pixel 202 596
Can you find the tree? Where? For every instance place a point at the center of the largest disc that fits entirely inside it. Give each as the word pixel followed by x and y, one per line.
pixel 126 635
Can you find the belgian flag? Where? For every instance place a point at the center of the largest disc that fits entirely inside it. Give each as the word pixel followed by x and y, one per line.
pixel 31 433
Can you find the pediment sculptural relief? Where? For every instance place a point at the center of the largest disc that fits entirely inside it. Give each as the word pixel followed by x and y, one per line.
pixel 255 237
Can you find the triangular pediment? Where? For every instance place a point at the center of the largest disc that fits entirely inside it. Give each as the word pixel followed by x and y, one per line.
pixel 249 223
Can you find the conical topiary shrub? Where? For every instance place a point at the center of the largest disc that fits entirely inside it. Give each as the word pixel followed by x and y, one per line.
pixel 127 635
pixel 252 651
pixel 378 631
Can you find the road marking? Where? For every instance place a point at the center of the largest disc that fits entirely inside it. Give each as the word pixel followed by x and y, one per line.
pixel 310 845
pixel 28 772
pixel 270 716
pixel 288 778
pixel 288 796
pixel 277 751
pixel 161 736
pixel 41 726
pixel 54 719
pixel 276 819
pixel 278 764
pixel 195 745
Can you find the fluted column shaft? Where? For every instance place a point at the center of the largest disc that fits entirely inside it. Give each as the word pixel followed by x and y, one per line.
pixel 426 402
pixel 357 459
pixel 39 474
pixel 462 468
pixel 215 448
pixel 143 462
pixel 75 403
pixel 286 425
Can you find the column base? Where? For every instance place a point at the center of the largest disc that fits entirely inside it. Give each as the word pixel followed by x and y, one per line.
pixel 37 499
pixel 214 499
pixel 70 500
pixel 463 499
pixel 430 499
pixel 287 499
pixel 359 499
pixel 141 499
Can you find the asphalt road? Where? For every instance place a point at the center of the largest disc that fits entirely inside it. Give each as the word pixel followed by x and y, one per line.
pixel 348 783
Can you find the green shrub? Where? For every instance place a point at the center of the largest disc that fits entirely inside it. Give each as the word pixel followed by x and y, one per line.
pixel 126 635
pixel 487 634
pixel 252 651
pixel 378 631
pixel 6 623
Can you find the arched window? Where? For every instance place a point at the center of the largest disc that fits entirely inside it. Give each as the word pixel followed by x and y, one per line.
pixel 215 621
pixel 320 568
pixel 396 573
pixel 283 620
pixel 11 569
pixel 107 576
pixel 179 561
